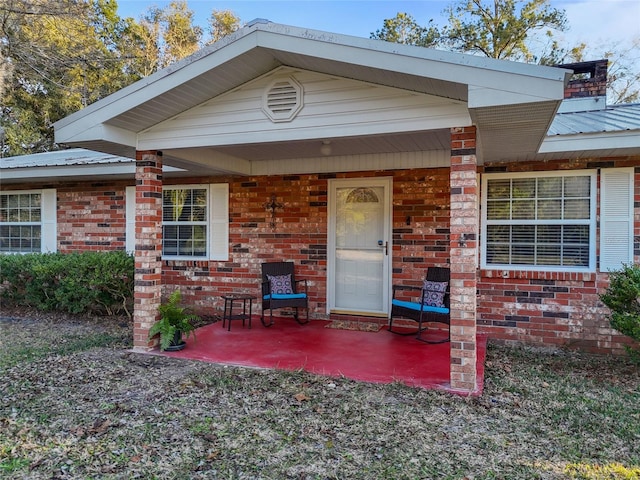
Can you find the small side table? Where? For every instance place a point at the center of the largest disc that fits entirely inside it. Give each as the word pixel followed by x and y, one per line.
pixel 237 298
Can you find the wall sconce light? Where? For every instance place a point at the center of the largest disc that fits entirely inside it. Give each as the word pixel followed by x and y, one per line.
pixel 273 206
pixel 325 148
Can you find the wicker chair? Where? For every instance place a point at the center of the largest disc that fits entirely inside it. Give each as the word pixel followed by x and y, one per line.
pixel 287 292
pixel 419 311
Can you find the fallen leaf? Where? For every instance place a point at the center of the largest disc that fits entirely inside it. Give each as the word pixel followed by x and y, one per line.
pixel 301 397
pixel 100 426
pixel 136 459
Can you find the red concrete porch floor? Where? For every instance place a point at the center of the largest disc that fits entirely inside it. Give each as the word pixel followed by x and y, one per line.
pixel 376 357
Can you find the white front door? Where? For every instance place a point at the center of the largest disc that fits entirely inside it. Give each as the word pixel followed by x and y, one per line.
pixel 359 256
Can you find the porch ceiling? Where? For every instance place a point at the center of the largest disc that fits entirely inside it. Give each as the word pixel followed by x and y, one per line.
pixel 302 156
pixel 499 96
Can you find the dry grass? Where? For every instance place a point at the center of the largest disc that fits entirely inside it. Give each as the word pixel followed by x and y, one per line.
pixel 74 403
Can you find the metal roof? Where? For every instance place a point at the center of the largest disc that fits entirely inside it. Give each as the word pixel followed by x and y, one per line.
pixel 61 158
pixel 613 118
pixel 72 164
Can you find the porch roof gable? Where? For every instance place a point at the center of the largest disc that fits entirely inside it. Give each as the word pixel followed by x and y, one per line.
pixel 512 104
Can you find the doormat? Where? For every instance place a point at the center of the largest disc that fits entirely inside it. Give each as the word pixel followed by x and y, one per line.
pixel 351 325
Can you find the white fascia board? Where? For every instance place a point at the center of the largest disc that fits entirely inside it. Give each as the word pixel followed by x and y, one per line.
pixel 591 141
pixel 42 173
pixel 154 85
pixel 220 162
pixel 442 62
pixel 78 132
pixel 90 171
pixel 518 78
pixel 404 59
pixel 313 132
pixel 540 91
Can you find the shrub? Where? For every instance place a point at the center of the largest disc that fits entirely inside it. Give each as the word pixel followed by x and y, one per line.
pixel 88 282
pixel 623 299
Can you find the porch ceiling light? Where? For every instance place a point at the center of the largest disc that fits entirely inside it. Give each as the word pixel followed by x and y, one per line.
pixel 325 148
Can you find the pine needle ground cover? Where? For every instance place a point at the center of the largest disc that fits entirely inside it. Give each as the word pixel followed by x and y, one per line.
pixel 76 404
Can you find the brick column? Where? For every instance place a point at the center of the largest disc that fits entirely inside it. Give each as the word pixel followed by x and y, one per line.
pixel 148 247
pixel 464 255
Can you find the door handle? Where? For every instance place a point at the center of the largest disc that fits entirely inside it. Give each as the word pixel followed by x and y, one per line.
pixel 384 244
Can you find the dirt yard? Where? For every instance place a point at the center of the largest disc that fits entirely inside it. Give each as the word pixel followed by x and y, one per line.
pixel 75 403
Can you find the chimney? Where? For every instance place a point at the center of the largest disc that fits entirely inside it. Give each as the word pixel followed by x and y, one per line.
pixel 587 88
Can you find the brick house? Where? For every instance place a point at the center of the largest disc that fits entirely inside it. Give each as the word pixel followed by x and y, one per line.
pixel 363 162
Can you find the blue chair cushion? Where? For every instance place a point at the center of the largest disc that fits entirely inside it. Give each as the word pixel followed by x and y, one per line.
pixel 417 307
pixel 288 296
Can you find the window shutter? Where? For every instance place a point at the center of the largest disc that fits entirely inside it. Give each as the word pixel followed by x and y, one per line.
pixel 219 236
pixel 616 218
pixel 49 234
pixel 130 219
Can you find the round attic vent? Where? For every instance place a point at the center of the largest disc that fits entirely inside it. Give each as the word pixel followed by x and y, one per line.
pixel 282 99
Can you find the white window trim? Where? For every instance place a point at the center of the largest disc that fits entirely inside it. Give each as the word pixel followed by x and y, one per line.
pixel 217 221
pixel 206 223
pixel 542 268
pixel 48 219
pixel 218 198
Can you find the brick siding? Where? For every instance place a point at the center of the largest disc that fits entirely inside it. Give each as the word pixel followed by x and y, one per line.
pixel 92 218
pixel 589 80
pixel 555 309
pixel 420 234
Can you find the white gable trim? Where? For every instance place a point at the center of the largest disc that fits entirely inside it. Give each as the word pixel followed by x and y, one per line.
pixel 333 108
pixel 262 47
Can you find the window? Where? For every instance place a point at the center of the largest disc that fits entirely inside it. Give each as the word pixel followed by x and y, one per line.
pixel 184 222
pixel 539 221
pixel 27 221
pixel 195 221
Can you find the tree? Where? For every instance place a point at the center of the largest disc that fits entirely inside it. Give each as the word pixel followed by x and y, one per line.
pixel 404 29
pixel 518 30
pixel 171 32
pixel 221 24
pixel 623 73
pixel 500 28
pixel 57 57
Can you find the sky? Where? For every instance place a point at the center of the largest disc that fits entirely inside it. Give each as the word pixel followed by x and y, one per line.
pixel 595 22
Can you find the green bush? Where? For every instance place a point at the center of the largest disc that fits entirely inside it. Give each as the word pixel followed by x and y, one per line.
pixel 623 299
pixel 88 282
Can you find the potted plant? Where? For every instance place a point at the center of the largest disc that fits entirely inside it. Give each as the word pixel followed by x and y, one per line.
pixel 175 321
